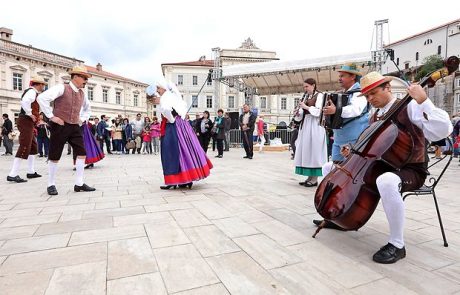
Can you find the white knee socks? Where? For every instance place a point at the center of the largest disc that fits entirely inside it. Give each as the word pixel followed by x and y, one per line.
pixel 80 166
pixel 52 168
pixel 388 185
pixel 31 162
pixel 15 168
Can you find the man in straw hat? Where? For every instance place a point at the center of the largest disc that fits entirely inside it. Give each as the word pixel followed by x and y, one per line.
pixel 71 107
pixel 28 117
pixel 421 119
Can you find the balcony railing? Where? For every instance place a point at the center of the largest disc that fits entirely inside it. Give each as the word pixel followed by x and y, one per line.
pixel 37 54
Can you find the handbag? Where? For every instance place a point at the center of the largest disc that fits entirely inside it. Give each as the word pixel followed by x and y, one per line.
pixel 130 145
pixel 12 135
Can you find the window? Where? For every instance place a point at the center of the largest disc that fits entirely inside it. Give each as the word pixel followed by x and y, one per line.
pixel 416 56
pixel 231 101
pixel 90 93
pixel 209 82
pixel 458 98
pixel 406 65
pixel 296 101
pixel 118 97
pixel 135 101
pixel 283 103
pixel 180 79
pixel 47 80
pixel 209 102
pixel 105 95
pixel 263 102
pixel 428 41
pixel 397 61
pixel 439 49
pixel 195 80
pixel 17 81
pixel 458 82
pixel 194 101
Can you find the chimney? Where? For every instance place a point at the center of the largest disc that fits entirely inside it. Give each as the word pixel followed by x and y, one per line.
pixel 99 66
pixel 202 58
pixel 5 33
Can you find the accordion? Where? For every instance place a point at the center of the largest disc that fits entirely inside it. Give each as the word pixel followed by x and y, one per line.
pixel 334 121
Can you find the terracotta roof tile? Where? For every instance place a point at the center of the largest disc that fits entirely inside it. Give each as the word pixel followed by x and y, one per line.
pixel 198 63
pixel 94 70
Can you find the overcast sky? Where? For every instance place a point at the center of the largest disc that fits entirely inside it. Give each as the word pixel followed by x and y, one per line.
pixel 132 38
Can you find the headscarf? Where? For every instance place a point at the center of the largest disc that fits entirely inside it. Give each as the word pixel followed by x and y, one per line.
pixel 171 99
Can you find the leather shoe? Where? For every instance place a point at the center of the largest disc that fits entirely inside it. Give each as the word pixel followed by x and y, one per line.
pixel 33 175
pixel 15 179
pixel 245 157
pixel 310 184
pixel 389 254
pixel 329 224
pixel 83 188
pixel 52 191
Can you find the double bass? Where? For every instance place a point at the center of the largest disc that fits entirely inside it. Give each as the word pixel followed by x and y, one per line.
pixel 348 195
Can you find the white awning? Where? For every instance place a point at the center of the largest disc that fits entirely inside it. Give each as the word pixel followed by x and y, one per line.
pixel 280 77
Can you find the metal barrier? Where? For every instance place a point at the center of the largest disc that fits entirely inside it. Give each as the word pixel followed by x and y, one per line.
pixel 236 139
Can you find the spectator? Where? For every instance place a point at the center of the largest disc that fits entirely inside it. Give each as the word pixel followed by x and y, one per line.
pixel 228 125
pixel 7 129
pixel 138 127
pixel 219 126
pixel 155 134
pixel 204 127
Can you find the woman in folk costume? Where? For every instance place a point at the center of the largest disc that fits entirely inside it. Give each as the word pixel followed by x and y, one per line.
pixel 311 144
pixel 182 157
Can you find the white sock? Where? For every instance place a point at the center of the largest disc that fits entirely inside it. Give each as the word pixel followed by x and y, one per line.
pixel 80 165
pixel 15 168
pixel 52 168
pixel 31 162
pixel 393 205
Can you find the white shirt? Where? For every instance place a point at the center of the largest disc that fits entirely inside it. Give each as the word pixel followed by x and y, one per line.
pixel 435 126
pixel 27 100
pixel 45 98
pixel 356 105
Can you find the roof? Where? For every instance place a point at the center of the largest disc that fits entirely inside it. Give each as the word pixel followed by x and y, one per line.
pixel 94 70
pixel 198 63
pixel 280 77
pixel 424 32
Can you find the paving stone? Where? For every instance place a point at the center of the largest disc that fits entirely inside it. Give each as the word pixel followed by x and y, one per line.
pixel 211 209
pixel 31 283
pixel 145 284
pixel 383 287
pixel 130 257
pixel 108 234
pixel 17 232
pixel 217 289
pixel 42 204
pixel 34 244
pixel 107 205
pixel 158 217
pixel 168 207
pixel 41 260
pixel 242 275
pixel 2 258
pixel 235 227
pixel 189 217
pixel 69 208
pixel 266 252
pixel 71 215
pixel 88 278
pixel 142 202
pixel 451 272
pixel 183 268
pixel 281 233
pixel 74 226
pixel 210 241
pixel 165 235
pixel 21 221
pixel 112 212
pixel 20 213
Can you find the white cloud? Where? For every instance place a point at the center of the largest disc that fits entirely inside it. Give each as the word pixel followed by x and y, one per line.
pixel 132 38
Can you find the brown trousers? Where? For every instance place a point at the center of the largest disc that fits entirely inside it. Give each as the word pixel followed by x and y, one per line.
pixel 27 139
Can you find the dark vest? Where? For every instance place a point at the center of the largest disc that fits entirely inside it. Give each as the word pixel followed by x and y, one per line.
pixel 404 123
pixel 35 106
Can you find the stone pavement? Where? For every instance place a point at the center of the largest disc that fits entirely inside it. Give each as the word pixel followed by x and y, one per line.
pixel 244 230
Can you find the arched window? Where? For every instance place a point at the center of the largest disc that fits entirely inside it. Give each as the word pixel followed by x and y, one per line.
pixel 416 56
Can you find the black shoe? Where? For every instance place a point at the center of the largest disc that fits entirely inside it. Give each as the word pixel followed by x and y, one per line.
pixel 328 224
pixel 168 186
pixel 83 188
pixel 303 182
pixel 89 166
pixel 245 157
pixel 16 179
pixel 52 191
pixel 40 156
pixel 310 184
pixel 250 158
pixel 189 185
pixel 33 175
pixel 389 254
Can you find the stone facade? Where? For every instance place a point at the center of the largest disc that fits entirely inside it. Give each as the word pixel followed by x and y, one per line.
pixel 18 63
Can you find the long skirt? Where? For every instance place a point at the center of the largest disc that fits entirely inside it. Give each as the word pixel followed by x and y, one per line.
pixel 182 157
pixel 93 150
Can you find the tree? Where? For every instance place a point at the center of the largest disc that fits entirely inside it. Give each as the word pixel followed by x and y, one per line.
pixel 430 64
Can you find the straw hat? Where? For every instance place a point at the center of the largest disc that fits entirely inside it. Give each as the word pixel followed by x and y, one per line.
pixel 80 70
pixel 38 80
pixel 351 69
pixel 372 80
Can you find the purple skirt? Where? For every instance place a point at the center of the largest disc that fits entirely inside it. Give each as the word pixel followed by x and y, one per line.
pixel 92 148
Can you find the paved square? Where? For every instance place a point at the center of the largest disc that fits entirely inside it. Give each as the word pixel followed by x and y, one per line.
pixel 244 230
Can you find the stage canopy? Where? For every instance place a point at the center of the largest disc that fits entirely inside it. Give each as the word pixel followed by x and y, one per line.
pixel 281 77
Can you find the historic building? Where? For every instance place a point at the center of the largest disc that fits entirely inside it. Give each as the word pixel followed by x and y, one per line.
pixel 110 94
pixel 409 54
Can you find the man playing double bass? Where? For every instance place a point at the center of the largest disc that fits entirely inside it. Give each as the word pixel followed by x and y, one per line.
pixel 421 119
